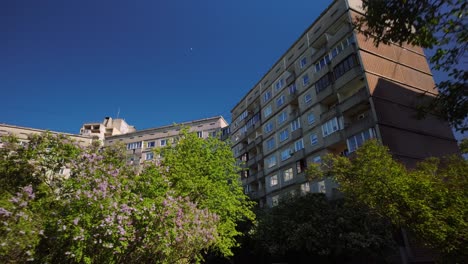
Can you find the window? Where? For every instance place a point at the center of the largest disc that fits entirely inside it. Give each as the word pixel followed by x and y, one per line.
pixel 305 187
pixel 321 187
pixel 301 165
pixel 266 96
pixel 313 139
pixel 303 62
pixel 267 111
pixel 330 127
pixel 271 161
pixel 268 127
pixel 245 157
pixel 243 115
pixel 282 117
pixel 295 124
pixel 344 66
pixel 134 145
pixel 305 80
pixel 285 154
pixel 151 144
pixel 280 101
pixel 298 145
pixel 283 135
pixel 273 180
pixel 317 159
pixel 149 156
pixel 323 83
pixel 307 98
pixel 288 175
pixel 292 88
pixel 163 142
pixel 279 84
pixel 357 140
pixel 200 134
pixel 311 118
pixel 274 200
pixel 270 144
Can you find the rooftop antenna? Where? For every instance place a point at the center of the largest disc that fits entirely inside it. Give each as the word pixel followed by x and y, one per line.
pixel 118 113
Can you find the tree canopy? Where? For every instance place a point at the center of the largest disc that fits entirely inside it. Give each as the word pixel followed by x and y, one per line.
pixel 107 211
pixel 430 201
pixel 312 226
pixel 440 25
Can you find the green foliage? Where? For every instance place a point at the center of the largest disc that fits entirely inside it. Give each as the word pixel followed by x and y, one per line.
pixel 429 201
pixel 312 225
pixel 434 24
pixel 37 163
pixel 205 170
pixel 106 211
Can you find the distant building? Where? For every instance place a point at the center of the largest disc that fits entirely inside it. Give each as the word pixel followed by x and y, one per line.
pixel 331 91
pixel 22 134
pixel 108 127
pixel 140 144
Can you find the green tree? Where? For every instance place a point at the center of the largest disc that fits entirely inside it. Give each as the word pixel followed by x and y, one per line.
pixel 106 211
pixel 430 201
pixel 311 226
pixel 432 24
pixel 37 162
pixel 205 170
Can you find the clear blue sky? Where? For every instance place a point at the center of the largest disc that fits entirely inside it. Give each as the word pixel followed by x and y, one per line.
pixel 64 63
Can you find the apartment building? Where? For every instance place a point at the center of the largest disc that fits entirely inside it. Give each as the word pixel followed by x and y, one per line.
pixel 108 127
pixel 22 133
pixel 331 91
pixel 140 144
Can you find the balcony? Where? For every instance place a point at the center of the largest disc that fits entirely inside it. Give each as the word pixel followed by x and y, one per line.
pixel 359 97
pixel 365 121
pixel 298 155
pixel 251 145
pixel 344 54
pixel 251 161
pixel 258 140
pixel 319 54
pixel 251 179
pixel 291 78
pixel 338 36
pixel 325 93
pixel 334 111
pixel 257 194
pixel 334 138
pixel 350 75
pixel 296 134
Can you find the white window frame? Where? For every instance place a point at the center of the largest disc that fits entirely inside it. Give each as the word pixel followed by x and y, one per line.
pixel 298 145
pixel 271 143
pixel 288 174
pixel 283 135
pixel 282 117
pixel 268 127
pixel 303 62
pixel 149 156
pixel 271 161
pixel 295 124
pixel 305 80
pixel 285 154
pixel 307 98
pixel 313 139
pixel 273 180
pixel 311 118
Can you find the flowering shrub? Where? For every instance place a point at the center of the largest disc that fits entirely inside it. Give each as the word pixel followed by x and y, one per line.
pixel 20 229
pixel 108 212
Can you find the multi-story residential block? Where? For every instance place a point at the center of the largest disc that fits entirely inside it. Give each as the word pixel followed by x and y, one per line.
pixel 331 91
pixel 108 127
pixel 22 133
pixel 140 144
